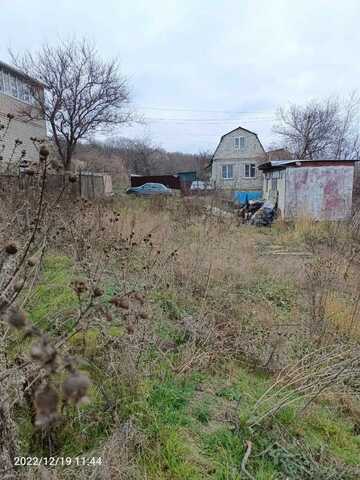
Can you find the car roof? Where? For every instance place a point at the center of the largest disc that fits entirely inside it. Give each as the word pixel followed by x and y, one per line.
pixel 153 184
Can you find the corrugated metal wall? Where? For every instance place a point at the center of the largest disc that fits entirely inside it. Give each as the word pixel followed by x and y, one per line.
pixel 323 193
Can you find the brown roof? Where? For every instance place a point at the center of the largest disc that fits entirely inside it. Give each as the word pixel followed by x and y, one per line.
pixel 282 164
pixel 279 154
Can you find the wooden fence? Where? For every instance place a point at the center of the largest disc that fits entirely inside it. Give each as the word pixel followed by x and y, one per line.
pixel 95 185
pixel 87 184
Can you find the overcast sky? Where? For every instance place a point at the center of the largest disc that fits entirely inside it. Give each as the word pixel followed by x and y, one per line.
pixel 199 68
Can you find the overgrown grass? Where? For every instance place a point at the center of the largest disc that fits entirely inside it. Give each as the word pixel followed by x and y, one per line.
pixel 53 295
pixel 195 422
pixel 202 424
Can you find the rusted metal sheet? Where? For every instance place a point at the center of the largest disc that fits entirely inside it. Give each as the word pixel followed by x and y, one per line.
pixel 320 192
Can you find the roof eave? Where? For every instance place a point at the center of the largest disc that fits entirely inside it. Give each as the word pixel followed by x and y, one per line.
pixel 282 164
pixel 232 131
pixel 21 74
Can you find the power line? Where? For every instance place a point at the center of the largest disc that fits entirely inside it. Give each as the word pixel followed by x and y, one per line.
pixel 175 109
pixel 215 121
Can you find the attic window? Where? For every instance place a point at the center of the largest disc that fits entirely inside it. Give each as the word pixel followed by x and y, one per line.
pixel 239 143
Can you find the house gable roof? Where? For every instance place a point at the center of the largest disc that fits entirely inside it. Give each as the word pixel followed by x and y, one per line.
pixel 237 128
pixel 228 133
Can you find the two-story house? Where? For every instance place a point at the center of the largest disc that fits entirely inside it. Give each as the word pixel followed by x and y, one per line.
pixel 20 119
pixel 236 160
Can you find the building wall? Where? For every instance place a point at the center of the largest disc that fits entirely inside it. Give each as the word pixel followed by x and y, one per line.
pixel 227 154
pixel 323 193
pixel 19 129
pixel 239 181
pixel 275 188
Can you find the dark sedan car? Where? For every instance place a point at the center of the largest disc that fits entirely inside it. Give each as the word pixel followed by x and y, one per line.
pixel 149 189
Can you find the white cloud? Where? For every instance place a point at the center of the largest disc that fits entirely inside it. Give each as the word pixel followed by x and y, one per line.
pixel 233 55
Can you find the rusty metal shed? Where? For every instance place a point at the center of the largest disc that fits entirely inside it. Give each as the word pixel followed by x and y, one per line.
pixel 319 189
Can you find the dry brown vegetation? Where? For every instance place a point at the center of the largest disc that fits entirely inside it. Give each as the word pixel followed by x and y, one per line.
pixel 142 297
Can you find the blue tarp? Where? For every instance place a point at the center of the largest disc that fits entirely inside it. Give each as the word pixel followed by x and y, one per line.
pixel 242 197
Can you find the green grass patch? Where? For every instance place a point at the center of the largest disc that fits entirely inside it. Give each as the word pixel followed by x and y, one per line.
pixel 324 426
pixel 53 295
pixel 280 294
pixel 202 432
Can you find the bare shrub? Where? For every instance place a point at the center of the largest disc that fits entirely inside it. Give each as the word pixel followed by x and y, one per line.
pixel 334 368
pixel 321 129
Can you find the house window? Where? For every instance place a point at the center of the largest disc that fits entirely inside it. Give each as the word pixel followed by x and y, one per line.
pixel 16 87
pixel 239 143
pixel 250 170
pixel 227 172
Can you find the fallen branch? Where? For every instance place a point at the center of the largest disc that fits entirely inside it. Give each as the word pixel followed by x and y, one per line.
pixel 245 460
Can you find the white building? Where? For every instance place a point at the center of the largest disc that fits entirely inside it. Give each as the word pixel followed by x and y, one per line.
pixel 16 127
pixel 236 160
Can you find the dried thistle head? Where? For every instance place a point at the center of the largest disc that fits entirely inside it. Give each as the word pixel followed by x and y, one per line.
pixel 79 286
pixel 75 388
pixel 44 352
pixel 19 284
pixel 16 317
pixel 98 292
pixel 32 331
pixel 11 248
pixel 130 329
pixel 43 153
pixel 121 302
pixel 32 261
pixel 69 363
pixel 46 403
pixel 139 297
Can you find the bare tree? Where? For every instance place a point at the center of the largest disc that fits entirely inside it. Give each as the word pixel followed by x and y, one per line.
pixel 202 161
pixel 347 139
pixel 321 129
pixel 140 155
pixel 83 94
